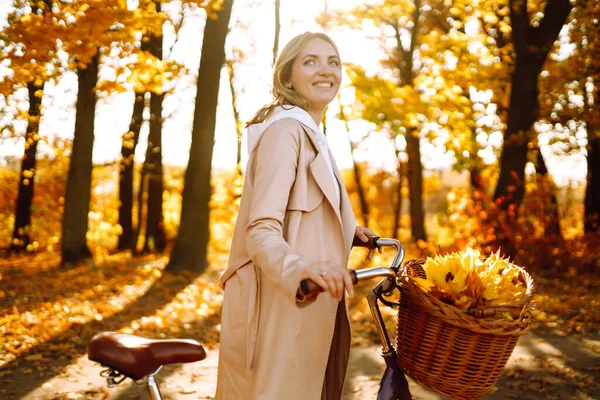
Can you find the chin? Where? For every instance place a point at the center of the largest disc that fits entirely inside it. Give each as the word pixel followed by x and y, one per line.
pixel 323 100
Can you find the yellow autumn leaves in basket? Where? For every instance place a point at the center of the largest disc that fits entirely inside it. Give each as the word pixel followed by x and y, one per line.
pixel 469 280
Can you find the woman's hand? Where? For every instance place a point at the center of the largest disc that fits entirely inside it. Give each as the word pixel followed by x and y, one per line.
pixel 332 279
pixel 364 234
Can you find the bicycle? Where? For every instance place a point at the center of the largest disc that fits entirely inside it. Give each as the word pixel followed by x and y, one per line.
pixel 140 359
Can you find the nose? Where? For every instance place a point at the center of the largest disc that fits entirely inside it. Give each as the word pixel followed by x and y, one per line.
pixel 325 71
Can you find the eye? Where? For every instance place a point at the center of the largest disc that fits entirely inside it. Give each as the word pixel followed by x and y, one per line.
pixel 309 62
pixel 335 63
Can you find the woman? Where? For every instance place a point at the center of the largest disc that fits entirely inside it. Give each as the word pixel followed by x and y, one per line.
pixel 295 222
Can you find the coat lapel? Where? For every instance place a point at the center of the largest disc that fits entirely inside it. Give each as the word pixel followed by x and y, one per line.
pixel 320 172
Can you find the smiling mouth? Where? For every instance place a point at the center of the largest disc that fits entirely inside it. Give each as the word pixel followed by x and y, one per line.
pixel 323 84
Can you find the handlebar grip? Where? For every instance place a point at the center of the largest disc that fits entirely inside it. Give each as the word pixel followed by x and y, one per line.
pixel 309 288
pixel 371 244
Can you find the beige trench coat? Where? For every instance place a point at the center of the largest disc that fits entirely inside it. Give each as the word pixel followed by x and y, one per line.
pixel 273 347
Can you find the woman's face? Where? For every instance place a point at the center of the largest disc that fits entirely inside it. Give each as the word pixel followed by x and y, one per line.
pixel 316 74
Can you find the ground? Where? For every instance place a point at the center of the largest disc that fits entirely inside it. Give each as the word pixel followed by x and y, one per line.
pixel 545 365
pixel 48 314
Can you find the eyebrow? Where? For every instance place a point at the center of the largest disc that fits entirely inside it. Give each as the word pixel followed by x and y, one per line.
pixel 316 56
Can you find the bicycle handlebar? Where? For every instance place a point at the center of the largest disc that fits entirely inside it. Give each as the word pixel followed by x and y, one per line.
pixel 309 288
pixel 370 244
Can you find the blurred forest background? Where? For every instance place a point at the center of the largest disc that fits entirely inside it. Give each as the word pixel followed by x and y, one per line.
pixel 490 111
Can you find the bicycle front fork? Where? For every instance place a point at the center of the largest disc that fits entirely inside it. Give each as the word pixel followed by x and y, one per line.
pixel 393 385
pixel 385 286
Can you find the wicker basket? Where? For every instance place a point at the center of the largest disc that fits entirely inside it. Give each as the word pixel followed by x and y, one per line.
pixel 449 351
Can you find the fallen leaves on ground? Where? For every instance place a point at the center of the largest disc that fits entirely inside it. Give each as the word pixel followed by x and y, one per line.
pixel 48 312
pixel 62 308
pixel 569 304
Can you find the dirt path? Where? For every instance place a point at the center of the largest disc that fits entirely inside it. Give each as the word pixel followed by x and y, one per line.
pixel 544 365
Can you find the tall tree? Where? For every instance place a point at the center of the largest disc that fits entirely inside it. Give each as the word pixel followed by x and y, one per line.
pixel 149 73
pixel 20 237
pixel 126 168
pixel 236 114
pixel 592 193
pixel 190 247
pixel 589 43
pixel 96 26
pixel 414 167
pixel 570 98
pixel 398 203
pixel 364 206
pixel 552 221
pixel 155 233
pixel 403 19
pixel 35 78
pixel 532 44
pixel 79 178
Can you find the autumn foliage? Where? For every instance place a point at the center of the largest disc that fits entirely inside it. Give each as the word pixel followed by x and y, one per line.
pixel 443 86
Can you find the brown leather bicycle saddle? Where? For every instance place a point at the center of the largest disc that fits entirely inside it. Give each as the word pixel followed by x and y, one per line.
pixel 136 357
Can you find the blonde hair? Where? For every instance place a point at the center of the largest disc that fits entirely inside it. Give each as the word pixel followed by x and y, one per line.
pixel 282 95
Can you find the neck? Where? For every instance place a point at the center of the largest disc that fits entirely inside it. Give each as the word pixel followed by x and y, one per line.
pixel 317 115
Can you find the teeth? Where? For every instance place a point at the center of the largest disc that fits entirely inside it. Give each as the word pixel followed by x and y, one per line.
pixel 324 84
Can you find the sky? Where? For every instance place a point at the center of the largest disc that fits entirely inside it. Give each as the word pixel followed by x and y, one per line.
pixel 252 30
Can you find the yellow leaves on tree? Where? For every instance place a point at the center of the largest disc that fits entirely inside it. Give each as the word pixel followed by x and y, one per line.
pixel 36 37
pixel 381 101
pixel 30 47
pixel 148 73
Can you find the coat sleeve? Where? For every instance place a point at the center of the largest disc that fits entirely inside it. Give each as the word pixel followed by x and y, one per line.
pixel 275 165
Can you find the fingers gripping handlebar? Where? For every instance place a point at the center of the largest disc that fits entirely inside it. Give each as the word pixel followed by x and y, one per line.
pixel 370 244
pixel 309 288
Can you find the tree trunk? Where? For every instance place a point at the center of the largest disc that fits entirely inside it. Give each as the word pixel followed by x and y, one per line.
pixel 22 227
pixel 475 178
pixel 398 203
pixel 552 221
pixel 364 206
pixel 77 197
pixel 522 113
pixel 142 190
pixel 155 233
pixel 20 237
pixel 532 46
pixel 475 163
pixel 414 167
pixel 277 30
pixel 592 192
pixel 414 172
pixel 126 168
pixel 190 248
pixel 236 116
